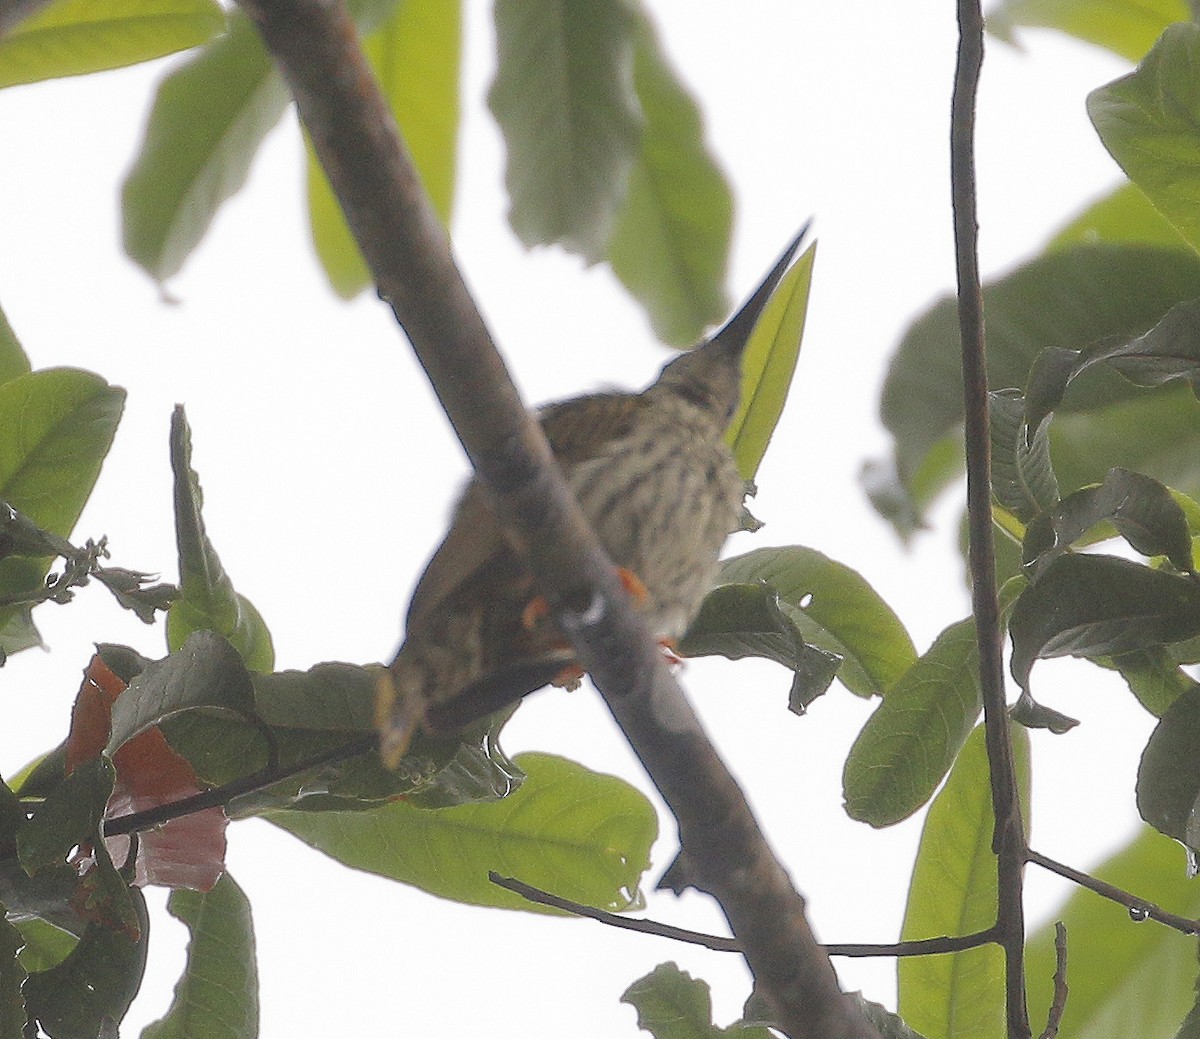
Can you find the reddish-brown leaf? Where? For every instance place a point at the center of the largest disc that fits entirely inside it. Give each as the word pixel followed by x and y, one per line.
pixel 188 851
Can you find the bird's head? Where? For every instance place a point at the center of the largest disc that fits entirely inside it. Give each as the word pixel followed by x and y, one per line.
pixel 710 374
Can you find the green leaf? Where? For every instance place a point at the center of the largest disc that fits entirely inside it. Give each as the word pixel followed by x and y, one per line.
pixel 45 945
pixel 1169 351
pixel 1125 216
pixel 887 1024
pixel 12 817
pixel 325 714
pixel 415 55
pixel 1157 433
pixel 912 739
pixel 903 505
pixel 1067 299
pixel 207 600
pixel 205 673
pixel 1033 715
pixel 12 976
pixel 580 834
pixel 768 365
pixel 56 427
pixel 953 892
pixel 70 815
pixel 1023 479
pixel 20 536
pixel 835 609
pixel 565 100
pixel 53 895
pixel 331 697
pixel 13 361
pixel 92 988
pixel 1153 677
pixel 1128 980
pixel 1190 1029
pixel 208 119
pixel 746 620
pixel 671 1004
pixel 671 237
pixel 73 37
pixel 217 996
pixel 1149 121
pixel 1168 782
pixel 1127 27
pixel 1141 509
pixel 1095 605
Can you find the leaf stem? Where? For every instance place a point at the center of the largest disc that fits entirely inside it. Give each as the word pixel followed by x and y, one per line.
pixel 917 947
pixel 219 796
pixel 1139 908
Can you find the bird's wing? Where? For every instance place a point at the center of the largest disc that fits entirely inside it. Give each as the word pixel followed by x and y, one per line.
pixel 577 429
pixel 474 539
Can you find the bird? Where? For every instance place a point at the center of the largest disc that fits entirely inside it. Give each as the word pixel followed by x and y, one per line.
pixel 658 484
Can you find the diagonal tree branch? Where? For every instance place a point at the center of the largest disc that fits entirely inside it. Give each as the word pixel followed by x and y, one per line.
pixel 1009 836
pixel 314 44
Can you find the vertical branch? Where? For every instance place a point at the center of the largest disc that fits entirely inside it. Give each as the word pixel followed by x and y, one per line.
pixel 1009 837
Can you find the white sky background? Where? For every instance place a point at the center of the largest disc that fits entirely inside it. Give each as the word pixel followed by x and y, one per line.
pixel 328 473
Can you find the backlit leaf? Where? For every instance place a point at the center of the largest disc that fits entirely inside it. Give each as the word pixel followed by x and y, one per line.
pixel 72 37
pixel 207 600
pixel 208 120
pixel 1149 121
pixel 768 365
pixel 217 996
pixel 1127 27
pixel 953 892
pixel 415 55
pixel 579 834
pixel 565 100
pixel 671 238
pixel 912 739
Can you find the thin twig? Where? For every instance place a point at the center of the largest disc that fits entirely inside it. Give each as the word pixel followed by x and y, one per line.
pixel 354 135
pixel 1139 909
pixel 916 947
pixel 1009 838
pixel 1054 1018
pixel 218 796
pixel 679 934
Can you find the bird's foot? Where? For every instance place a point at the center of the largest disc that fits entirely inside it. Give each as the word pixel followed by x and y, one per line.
pixel 671 653
pixel 569 678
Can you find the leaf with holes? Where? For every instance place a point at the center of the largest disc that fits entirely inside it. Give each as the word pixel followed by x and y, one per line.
pixel 746 620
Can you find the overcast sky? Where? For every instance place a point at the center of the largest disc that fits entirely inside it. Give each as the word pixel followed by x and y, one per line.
pixel 328 472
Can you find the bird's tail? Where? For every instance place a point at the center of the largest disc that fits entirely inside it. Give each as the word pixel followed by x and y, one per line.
pixel 400 703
